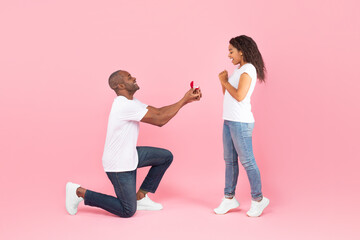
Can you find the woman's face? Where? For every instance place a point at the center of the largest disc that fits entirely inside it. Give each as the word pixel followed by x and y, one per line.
pixel 234 55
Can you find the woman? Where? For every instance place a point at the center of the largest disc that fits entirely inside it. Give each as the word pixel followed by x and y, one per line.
pixel 239 123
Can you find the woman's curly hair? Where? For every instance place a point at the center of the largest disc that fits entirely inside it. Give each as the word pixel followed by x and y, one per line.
pixel 251 54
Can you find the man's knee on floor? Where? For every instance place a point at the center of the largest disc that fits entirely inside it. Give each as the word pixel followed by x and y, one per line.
pixel 128 213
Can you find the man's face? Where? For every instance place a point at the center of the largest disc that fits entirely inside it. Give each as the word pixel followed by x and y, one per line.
pixel 129 82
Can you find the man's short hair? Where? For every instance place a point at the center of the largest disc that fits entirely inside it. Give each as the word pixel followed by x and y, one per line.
pixel 115 79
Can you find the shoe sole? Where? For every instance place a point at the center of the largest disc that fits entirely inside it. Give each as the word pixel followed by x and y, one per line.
pixel 237 205
pixel 267 204
pixel 148 209
pixel 68 189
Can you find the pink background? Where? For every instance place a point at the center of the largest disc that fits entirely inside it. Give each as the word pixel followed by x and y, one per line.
pixel 55 60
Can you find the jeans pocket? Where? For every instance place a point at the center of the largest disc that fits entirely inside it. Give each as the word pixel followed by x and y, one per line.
pixel 247 129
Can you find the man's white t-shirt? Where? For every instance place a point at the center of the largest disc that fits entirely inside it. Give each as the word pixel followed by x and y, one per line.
pixel 240 111
pixel 120 154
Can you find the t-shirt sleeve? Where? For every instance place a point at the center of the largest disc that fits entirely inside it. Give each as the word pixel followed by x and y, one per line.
pixel 132 110
pixel 251 71
pixel 142 104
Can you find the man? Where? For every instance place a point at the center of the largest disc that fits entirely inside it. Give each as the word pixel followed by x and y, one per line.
pixel 122 157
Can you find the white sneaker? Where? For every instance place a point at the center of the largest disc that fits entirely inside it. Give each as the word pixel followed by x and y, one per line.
pixel 72 200
pixel 147 204
pixel 226 205
pixel 258 207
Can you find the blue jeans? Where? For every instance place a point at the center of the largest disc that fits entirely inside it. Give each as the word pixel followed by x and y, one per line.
pixel 124 205
pixel 237 140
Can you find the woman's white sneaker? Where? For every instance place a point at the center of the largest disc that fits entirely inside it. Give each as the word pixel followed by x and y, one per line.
pixel 226 205
pixel 257 208
pixel 72 200
pixel 147 204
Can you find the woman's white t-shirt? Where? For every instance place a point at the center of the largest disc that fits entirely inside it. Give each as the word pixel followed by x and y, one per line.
pixel 240 111
pixel 120 152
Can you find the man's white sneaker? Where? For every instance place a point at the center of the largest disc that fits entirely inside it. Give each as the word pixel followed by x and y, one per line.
pixel 226 205
pixel 147 204
pixel 72 200
pixel 257 208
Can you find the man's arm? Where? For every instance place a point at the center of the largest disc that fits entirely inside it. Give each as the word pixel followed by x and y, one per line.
pixel 160 116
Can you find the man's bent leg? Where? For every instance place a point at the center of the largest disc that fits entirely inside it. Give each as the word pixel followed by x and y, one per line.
pixel 125 188
pixel 159 159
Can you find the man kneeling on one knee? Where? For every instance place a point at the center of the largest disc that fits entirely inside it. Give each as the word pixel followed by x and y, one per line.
pixel 122 157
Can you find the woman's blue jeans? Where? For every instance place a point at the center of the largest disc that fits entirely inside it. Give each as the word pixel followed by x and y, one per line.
pixel 237 140
pixel 124 205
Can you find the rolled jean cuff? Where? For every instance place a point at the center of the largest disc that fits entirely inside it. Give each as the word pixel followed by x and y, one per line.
pixel 229 195
pixel 147 190
pixel 88 197
pixel 257 198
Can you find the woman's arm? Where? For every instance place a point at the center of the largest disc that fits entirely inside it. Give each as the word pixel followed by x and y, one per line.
pixel 223 88
pixel 244 85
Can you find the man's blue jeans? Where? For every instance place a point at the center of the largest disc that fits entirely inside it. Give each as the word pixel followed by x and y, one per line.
pixel 124 205
pixel 237 140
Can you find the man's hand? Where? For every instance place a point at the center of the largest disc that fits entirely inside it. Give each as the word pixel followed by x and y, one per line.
pixel 192 95
pixel 198 91
pixel 160 116
pixel 223 76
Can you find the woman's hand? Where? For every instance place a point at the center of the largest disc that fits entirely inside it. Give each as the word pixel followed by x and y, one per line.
pixel 223 76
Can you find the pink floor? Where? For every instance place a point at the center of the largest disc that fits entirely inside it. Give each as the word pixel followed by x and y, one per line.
pixel 37 213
